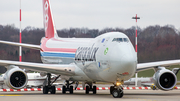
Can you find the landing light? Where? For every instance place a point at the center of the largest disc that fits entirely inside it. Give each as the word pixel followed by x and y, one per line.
pixel 118 83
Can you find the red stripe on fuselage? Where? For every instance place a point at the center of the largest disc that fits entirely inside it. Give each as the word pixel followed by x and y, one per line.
pixel 46 49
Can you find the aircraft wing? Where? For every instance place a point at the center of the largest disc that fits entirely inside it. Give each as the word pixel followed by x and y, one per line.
pixel 150 65
pixel 68 70
pixel 37 47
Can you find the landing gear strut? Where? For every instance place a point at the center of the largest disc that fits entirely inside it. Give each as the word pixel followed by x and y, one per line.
pixel 90 88
pixel 116 91
pixel 67 87
pixel 77 83
pixel 49 87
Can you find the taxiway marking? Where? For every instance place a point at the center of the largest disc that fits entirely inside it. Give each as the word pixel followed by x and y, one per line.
pixel 9 95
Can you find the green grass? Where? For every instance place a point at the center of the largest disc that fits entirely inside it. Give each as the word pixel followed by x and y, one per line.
pixel 150 73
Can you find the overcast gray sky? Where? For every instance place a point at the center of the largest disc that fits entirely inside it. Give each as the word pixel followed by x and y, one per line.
pixel 97 14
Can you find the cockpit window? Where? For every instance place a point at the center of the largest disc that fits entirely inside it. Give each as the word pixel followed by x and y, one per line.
pixel 120 40
pixel 125 40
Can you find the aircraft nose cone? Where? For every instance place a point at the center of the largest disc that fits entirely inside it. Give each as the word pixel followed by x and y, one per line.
pixel 128 61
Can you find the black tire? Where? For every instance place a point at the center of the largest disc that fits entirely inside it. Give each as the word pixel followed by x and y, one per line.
pixel 94 89
pixel 53 90
pixel 111 89
pixel 64 90
pixel 71 90
pixel 116 93
pixel 87 89
pixel 45 89
pixel 121 94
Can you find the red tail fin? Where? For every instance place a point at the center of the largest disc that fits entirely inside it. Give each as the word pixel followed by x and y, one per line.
pixel 50 30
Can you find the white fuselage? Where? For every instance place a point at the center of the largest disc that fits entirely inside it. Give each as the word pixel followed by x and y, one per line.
pixel 109 57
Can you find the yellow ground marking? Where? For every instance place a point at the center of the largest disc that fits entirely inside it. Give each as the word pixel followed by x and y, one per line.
pixel 10 95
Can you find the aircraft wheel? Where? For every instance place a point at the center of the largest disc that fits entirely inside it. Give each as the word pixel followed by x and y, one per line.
pixel 71 89
pixel 87 89
pixel 94 89
pixel 117 94
pixel 121 94
pixel 64 90
pixel 53 90
pixel 45 89
pixel 111 89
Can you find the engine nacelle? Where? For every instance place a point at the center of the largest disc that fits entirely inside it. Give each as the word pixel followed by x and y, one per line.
pixel 15 78
pixel 164 79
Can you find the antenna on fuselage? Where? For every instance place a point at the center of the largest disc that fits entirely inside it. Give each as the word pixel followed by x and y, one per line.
pixel 136 42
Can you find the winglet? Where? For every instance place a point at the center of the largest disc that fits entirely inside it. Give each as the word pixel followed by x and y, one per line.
pixel 50 30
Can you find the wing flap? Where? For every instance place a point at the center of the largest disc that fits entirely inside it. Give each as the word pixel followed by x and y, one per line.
pixel 150 65
pixel 68 70
pixel 37 47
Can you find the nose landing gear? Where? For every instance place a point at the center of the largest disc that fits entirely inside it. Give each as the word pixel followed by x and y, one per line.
pixel 117 91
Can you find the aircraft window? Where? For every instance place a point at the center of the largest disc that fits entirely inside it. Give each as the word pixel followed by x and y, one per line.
pixel 118 39
pixel 115 39
pixel 125 40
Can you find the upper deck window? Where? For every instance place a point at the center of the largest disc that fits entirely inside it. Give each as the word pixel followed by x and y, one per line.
pixel 120 40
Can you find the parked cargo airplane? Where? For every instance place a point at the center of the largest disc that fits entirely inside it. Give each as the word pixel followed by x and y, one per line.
pixel 109 57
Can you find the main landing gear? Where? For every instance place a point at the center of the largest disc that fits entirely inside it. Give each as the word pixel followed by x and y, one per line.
pixel 49 87
pixel 67 87
pixel 90 88
pixel 116 91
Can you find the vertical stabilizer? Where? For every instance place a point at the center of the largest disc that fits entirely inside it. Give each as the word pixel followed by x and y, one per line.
pixel 49 27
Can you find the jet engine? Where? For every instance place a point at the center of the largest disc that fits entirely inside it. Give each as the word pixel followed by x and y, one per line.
pixel 15 78
pixel 164 79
